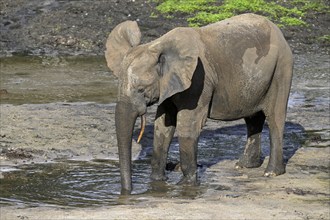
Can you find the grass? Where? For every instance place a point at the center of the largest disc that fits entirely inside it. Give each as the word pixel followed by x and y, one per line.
pixel 282 12
pixel 325 39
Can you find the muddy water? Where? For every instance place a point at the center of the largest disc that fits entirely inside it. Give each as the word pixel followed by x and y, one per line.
pixel 82 184
pixel 29 80
pixel 78 184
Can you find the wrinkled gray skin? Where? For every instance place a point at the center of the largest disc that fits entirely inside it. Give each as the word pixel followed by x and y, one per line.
pixel 237 68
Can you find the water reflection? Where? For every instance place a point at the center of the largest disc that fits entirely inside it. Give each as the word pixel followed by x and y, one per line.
pixel 79 184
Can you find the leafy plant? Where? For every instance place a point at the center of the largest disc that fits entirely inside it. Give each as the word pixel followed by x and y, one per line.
pixel 292 21
pixel 283 12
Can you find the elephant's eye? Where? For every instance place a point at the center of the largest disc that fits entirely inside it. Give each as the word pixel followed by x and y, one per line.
pixel 141 90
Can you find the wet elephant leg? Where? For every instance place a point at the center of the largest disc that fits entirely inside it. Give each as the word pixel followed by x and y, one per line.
pixel 189 126
pixel 163 133
pixel 252 154
pixel 188 160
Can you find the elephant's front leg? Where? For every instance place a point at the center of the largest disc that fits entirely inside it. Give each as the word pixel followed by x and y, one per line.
pixel 188 159
pixel 189 126
pixel 163 133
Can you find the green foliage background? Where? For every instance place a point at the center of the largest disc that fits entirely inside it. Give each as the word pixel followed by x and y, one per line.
pixel 282 12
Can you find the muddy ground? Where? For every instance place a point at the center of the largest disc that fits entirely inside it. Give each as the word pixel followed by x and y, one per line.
pixel 85 131
pixel 42 133
pixel 80 131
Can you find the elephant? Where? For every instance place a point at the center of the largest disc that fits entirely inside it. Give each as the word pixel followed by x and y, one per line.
pixel 237 68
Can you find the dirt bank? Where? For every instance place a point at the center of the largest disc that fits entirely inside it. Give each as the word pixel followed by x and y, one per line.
pixel 81 27
pixel 73 27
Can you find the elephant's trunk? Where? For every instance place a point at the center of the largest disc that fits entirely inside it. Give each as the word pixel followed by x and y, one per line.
pixel 125 117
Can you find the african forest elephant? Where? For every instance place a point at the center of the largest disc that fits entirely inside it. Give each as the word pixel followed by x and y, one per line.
pixel 237 68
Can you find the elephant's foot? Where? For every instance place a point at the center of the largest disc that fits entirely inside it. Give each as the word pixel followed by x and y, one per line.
pixel 274 170
pixel 251 158
pixel 247 162
pixel 158 177
pixel 189 180
pixel 125 192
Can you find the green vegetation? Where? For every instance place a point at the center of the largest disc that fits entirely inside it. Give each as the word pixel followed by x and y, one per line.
pixel 186 6
pixel 325 39
pixel 282 12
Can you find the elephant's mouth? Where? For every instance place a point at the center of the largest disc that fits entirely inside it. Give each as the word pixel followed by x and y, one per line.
pixel 143 124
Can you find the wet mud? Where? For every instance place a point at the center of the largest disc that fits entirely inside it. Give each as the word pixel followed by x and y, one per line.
pixel 46 79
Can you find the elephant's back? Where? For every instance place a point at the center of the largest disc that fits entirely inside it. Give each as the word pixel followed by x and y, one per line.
pixel 230 24
pixel 244 52
pixel 235 34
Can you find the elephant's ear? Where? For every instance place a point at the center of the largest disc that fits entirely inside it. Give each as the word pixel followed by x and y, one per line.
pixel 178 52
pixel 123 37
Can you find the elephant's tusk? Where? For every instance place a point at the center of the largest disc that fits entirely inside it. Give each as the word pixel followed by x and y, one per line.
pixel 143 124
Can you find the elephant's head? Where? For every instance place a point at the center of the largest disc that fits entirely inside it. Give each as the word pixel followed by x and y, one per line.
pixel 147 73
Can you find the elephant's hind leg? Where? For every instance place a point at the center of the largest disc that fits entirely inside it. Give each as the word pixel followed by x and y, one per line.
pixel 276 165
pixel 275 114
pixel 252 154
